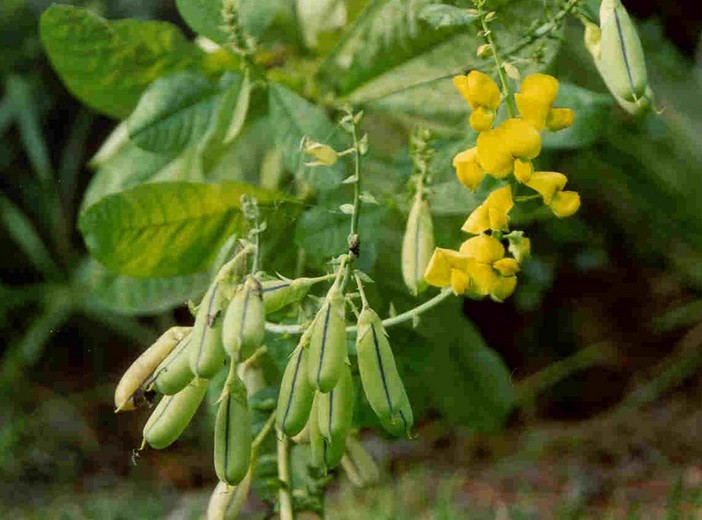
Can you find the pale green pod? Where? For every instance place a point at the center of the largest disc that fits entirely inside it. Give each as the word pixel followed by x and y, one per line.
pixel 379 376
pixel 364 465
pixel 335 409
pixel 621 53
pixel 295 396
pixel 417 245
pixel 207 354
pixel 232 441
pixel 245 320
pixel 173 414
pixel 130 389
pixel 328 342
pixel 281 293
pixel 174 373
pixel 317 442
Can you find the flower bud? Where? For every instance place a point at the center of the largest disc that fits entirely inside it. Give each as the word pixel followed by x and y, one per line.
pixel 245 320
pixel 417 245
pixel 130 389
pixel 324 154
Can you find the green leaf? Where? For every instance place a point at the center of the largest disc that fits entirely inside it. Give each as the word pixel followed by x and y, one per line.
pixel 388 49
pixel 173 112
pixel 292 118
pixel 138 296
pixel 442 15
pixel 107 64
pixel 592 114
pixel 204 17
pixel 166 229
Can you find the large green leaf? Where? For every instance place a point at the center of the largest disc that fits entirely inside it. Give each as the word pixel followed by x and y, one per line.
pixel 204 17
pixel 137 296
pixel 107 64
pixel 292 118
pixel 592 111
pixel 166 229
pixel 389 49
pixel 442 15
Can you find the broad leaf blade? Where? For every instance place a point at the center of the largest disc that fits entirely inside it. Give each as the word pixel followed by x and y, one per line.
pixel 442 15
pixel 204 17
pixel 293 117
pixel 106 64
pixel 166 229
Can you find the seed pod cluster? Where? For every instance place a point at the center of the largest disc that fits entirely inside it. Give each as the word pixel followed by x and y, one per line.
pixel 244 322
pixel 130 390
pixel 379 376
pixel 417 245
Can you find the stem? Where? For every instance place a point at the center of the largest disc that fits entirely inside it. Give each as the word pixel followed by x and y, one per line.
pixel 511 108
pixel 278 328
pixel 353 239
pixel 284 495
pixel 359 284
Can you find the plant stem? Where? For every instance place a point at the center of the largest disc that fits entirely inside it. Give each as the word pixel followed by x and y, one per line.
pixel 487 34
pixel 353 239
pixel 284 495
pixel 359 284
pixel 278 328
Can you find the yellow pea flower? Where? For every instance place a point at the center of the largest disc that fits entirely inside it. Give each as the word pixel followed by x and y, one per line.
pixel 523 170
pixel 482 119
pixel 460 281
pixel 521 138
pixel 543 87
pixel 443 262
pixel 535 103
pixel 494 155
pixel 532 110
pixel 565 203
pixel 506 266
pixel 478 89
pixel 491 214
pixel 484 248
pixel 483 279
pixel 468 169
pixel 547 184
pixel 503 288
pixel 559 118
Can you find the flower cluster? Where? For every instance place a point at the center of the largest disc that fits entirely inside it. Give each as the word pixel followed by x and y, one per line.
pixel 480 267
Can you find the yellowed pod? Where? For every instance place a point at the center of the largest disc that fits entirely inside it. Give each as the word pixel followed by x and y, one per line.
pixel 129 391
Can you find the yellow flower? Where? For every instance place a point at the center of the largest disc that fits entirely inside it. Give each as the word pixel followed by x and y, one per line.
pixel 521 138
pixel 550 186
pixel 523 170
pixel 494 155
pixel 535 103
pixel 478 89
pixel 513 140
pixel 483 96
pixel 446 268
pixel 491 214
pixel 484 248
pixel 506 266
pixel 503 288
pixel 483 279
pixel 468 170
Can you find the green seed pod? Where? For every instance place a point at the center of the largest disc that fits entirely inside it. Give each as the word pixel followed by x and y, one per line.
pixel 623 63
pixel 281 293
pixel 244 321
pixel 417 245
pixel 173 414
pixel 296 394
pixel 232 442
pixel 381 381
pixel 130 389
pixel 207 355
pixel 328 342
pixel 335 409
pixel 317 442
pixel 174 373
pixel 364 467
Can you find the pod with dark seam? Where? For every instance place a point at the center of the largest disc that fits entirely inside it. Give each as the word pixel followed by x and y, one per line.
pixel 335 409
pixel 232 440
pixel 295 396
pixel 173 414
pixel 278 294
pixel 244 321
pixel 328 342
pixel 174 373
pixel 417 245
pixel 207 355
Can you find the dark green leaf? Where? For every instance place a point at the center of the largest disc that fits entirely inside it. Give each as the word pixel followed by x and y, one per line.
pixel 442 15
pixel 592 112
pixel 107 64
pixel 204 17
pixel 166 229
pixel 292 118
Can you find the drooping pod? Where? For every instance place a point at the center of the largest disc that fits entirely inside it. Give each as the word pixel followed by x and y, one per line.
pixel 226 501
pixel 623 63
pixel 317 442
pixel 232 441
pixel 173 414
pixel 335 409
pixel 296 394
pixel 328 342
pixel 130 389
pixel 281 293
pixel 207 354
pixel 245 320
pixel 364 470
pixel 174 373
pixel 417 245
pixel 379 376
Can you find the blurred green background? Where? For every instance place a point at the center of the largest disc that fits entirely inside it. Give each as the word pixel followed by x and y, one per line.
pixel 603 338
